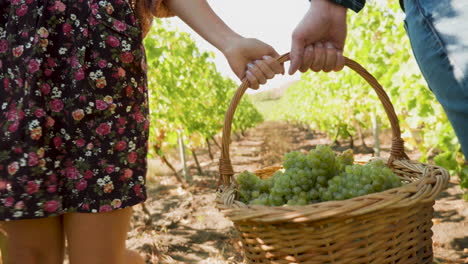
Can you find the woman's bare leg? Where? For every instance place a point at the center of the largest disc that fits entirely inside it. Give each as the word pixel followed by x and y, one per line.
pixel 33 241
pixel 99 238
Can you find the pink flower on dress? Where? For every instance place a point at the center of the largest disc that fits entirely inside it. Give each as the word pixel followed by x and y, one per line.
pixel 137 189
pixel 122 121
pixel 128 173
pixel 9 202
pixel 74 62
pixel 13 127
pixel 81 185
pixel 51 206
pixel 129 91
pixel 45 89
pixel 32 159
pixel 127 57
pixel 79 74
pixel 121 72
pixel 3 185
pixel 88 174
pixel 72 173
pixel 110 168
pixel 120 145
pixel 103 129
pixel 32 187
pixel 100 104
pixel 39 113
pixel 66 28
pixel 119 25
pixel 80 142
pixel 57 142
pixel 3 45
pixel 59 6
pixel 56 105
pixel 102 63
pixel 33 66
pixel 12 115
pixel 52 188
pixel 113 41
pixel 139 117
pixel 105 208
pixel 22 10
pixel 51 62
pixel 6 84
pixel 90 146
pixel 132 157
pixel 19 205
pixel 50 122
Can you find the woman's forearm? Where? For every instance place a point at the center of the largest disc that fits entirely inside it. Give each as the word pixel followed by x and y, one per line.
pixel 199 16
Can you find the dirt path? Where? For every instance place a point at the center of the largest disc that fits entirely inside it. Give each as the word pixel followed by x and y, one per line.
pixel 182 226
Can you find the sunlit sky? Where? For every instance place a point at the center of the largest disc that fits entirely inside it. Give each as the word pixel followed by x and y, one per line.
pixel 271 21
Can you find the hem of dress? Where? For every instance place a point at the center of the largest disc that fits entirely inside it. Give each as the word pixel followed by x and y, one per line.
pixel 65 212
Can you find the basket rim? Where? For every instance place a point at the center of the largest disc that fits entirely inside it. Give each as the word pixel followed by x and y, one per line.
pixel 424 183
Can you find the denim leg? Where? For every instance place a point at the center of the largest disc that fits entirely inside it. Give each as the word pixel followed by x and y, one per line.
pixel 438 30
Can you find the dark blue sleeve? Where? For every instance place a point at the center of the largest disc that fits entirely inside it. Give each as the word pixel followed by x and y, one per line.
pixel 355 5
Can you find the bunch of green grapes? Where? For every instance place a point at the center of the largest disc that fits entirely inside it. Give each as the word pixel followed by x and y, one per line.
pixel 319 175
pixel 247 183
pixel 304 175
pixel 358 180
pixel 252 189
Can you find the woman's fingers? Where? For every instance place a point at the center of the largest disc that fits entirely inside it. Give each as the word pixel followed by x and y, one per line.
pixel 253 83
pixel 265 68
pixel 253 69
pixel 274 64
pixel 308 58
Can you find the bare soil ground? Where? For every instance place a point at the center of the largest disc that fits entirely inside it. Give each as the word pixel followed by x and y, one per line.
pixel 179 225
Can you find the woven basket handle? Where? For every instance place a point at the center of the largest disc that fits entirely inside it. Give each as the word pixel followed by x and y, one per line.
pixel 397 150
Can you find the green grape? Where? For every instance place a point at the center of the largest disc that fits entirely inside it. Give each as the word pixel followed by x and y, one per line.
pixel 357 180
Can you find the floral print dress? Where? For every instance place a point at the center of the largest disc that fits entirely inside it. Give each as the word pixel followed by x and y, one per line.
pixel 73 107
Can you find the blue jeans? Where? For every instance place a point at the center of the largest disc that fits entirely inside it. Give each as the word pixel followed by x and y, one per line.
pixel 438 30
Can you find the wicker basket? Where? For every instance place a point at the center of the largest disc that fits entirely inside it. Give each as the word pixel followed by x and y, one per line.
pixel 393 226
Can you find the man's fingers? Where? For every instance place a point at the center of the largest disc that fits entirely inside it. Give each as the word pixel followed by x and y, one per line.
pixel 307 59
pixel 319 57
pixel 297 52
pixel 340 61
pixel 331 57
